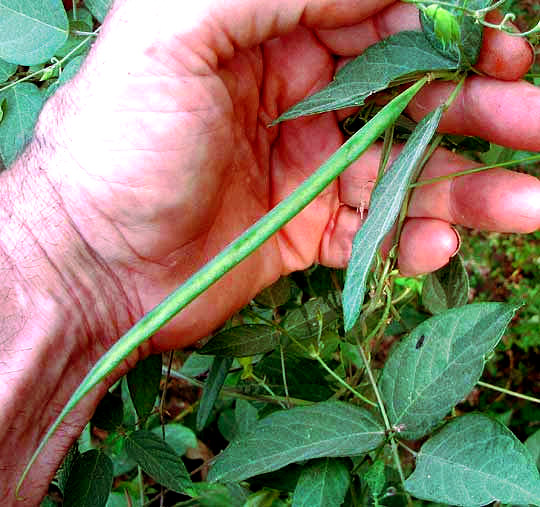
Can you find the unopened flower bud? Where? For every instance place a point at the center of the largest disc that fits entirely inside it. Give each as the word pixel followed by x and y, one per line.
pixel 445 24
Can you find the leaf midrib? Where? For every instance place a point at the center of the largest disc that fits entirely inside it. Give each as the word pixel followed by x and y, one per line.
pixel 36 20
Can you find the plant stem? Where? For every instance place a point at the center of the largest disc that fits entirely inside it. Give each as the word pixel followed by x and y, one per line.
pixel 506 391
pixel 334 375
pixel 45 69
pixel 532 158
pixel 164 393
pixel 232 392
pixel 233 254
pixel 384 415
pixel 407 448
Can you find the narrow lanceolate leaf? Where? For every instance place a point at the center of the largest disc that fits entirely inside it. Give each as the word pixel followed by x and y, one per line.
pixel 31 31
pixel 467 51
pixel 447 287
pixel 438 364
pixel 90 481
pixel 212 388
pixel 473 461
pixel 143 382
pixel 328 429
pixel 323 483
pixel 386 202
pixel 21 108
pixel 395 57
pixel 158 460
pixel 6 70
pixel 243 341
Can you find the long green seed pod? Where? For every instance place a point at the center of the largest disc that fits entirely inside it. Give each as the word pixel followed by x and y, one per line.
pixel 232 255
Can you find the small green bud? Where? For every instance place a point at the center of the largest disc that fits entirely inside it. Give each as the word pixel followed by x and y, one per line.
pixel 445 24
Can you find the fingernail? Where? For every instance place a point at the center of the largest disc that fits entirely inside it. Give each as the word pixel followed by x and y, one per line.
pixel 458 242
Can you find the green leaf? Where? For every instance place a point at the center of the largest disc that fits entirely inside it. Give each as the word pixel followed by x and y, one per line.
pixel 109 413
pixel 31 31
pixel 158 460
pixel 245 415
pixel 143 382
pixel 306 379
pixel 6 70
pixel 285 479
pixel 216 495
pixel 22 107
pixel 62 474
pixel 375 478
pixel 98 8
pixel 533 445
pixel 67 73
pixel 323 483
pixel 178 436
pixel 447 288
pixel 386 201
pixel 402 54
pixel 243 341
pixel 83 15
pixel 308 321
pixel 90 481
pixel 438 364
pixel 473 461
pixel 113 446
pixel 74 44
pixel 212 388
pixel 466 52
pixel 328 429
pixel 277 294
pixel 196 365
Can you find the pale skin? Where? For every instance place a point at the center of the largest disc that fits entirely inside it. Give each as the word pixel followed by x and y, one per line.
pixel 158 154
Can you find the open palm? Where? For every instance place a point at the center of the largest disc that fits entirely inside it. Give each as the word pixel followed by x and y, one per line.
pixel 178 159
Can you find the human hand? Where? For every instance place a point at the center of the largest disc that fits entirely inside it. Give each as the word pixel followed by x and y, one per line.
pixel 160 154
pixel 173 158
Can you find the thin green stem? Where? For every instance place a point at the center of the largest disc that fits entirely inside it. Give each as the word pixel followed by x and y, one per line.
pixel 407 448
pixel 233 254
pixel 163 394
pixel 232 392
pixel 334 375
pixel 283 371
pixel 386 151
pixel 532 158
pixel 384 415
pixel 373 383
pixel 508 392
pixel 383 319
pixel 455 92
pixel 58 63
pixel 140 484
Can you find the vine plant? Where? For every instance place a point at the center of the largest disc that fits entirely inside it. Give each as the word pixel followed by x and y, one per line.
pixel 355 422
